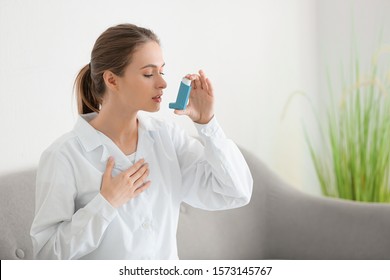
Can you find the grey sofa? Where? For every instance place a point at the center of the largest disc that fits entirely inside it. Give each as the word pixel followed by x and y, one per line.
pixel 279 223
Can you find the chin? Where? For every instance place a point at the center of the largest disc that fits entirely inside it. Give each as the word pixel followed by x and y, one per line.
pixel 152 110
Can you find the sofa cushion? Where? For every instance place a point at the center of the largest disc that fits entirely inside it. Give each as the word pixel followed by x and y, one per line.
pixel 17 200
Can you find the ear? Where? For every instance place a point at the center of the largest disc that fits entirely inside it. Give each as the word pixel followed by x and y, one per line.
pixel 111 80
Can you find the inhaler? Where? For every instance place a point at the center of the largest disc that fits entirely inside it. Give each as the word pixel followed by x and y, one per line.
pixel 182 96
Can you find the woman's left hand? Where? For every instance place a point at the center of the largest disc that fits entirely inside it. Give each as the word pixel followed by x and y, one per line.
pixel 201 105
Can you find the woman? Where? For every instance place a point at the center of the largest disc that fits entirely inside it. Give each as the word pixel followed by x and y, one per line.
pixel 112 187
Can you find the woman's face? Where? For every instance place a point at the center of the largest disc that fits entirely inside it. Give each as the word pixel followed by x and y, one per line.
pixel 141 86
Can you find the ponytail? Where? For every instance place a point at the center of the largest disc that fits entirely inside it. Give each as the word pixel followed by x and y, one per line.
pixel 87 100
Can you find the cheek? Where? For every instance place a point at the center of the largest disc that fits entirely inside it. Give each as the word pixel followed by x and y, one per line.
pixel 136 85
pixel 143 85
pixel 139 90
pixel 132 86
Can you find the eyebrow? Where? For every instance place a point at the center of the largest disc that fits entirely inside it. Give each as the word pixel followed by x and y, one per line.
pixel 152 65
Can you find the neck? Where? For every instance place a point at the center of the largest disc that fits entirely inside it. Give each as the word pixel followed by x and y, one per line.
pixel 121 127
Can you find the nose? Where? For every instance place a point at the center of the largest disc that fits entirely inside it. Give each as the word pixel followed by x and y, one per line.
pixel 161 83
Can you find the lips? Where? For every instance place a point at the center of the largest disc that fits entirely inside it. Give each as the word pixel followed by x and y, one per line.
pixel 157 98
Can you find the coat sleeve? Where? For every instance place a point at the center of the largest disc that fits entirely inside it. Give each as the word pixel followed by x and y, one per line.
pixel 215 175
pixel 58 231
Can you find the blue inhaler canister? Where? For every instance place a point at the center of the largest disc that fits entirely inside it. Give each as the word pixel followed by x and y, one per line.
pixel 182 96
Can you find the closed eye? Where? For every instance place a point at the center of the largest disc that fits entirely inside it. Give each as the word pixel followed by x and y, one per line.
pixel 151 75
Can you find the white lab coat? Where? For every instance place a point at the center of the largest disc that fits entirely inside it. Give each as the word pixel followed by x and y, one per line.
pixel 73 220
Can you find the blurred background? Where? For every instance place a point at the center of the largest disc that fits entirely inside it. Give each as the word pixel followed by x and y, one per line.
pixel 257 53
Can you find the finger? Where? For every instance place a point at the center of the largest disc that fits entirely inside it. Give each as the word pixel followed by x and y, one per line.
pixel 138 183
pixel 133 178
pixel 141 189
pixel 193 78
pixel 130 171
pixel 109 167
pixel 181 112
pixel 196 83
pixel 203 80
pixel 210 87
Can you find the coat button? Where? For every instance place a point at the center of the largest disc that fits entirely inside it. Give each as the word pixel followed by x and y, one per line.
pixel 146 225
pixel 19 253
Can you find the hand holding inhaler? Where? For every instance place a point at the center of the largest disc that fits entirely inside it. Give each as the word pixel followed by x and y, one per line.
pixel 199 91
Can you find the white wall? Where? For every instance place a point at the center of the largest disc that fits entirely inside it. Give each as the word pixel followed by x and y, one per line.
pixel 349 28
pixel 257 53
pixel 347 25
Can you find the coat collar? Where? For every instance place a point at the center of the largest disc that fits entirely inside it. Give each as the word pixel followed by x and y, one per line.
pixel 91 140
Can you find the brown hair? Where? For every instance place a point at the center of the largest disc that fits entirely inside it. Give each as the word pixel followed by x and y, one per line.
pixel 112 51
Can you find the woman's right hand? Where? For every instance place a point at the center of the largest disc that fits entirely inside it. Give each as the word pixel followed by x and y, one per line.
pixel 126 185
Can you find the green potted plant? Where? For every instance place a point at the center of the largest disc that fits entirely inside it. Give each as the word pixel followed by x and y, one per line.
pixel 353 161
